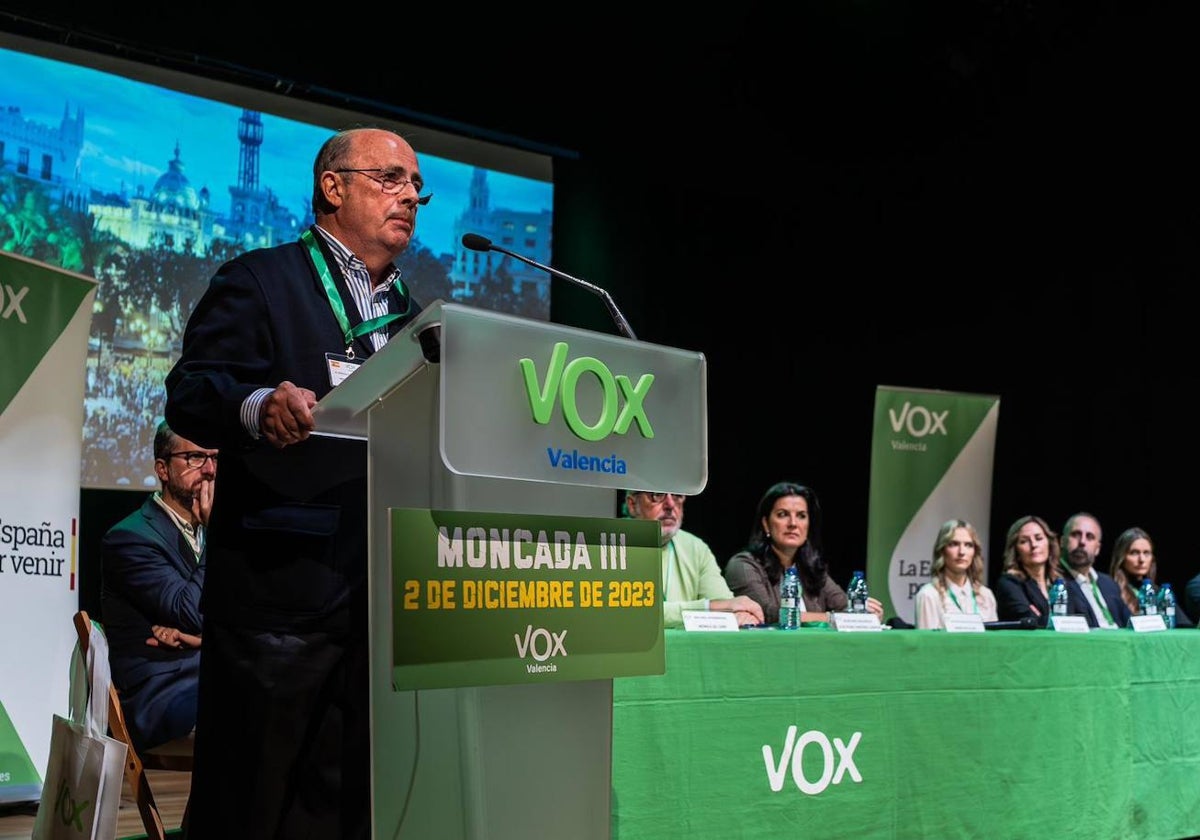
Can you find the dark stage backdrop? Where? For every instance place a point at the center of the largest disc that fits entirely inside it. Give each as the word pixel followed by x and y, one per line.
pixel 993 198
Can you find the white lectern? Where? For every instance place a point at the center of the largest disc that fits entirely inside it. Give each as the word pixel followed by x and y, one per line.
pixel 472 410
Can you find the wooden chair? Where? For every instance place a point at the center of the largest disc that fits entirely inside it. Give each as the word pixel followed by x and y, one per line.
pixel 176 755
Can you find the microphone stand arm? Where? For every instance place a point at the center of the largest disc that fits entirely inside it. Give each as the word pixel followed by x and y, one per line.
pixel 611 305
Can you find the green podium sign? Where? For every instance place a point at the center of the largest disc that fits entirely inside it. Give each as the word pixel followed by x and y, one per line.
pixel 489 599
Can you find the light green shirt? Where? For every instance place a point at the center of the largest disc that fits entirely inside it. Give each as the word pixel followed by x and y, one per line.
pixel 691 577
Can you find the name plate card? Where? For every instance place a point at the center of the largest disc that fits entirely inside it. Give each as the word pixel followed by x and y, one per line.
pixel 709 621
pixel 963 623
pixel 848 622
pixel 1147 623
pixel 1069 624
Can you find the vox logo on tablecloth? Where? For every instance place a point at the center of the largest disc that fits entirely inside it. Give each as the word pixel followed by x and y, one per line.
pixel 832 769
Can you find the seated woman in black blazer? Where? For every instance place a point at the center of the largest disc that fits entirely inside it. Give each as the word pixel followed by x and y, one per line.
pixel 1132 561
pixel 1030 566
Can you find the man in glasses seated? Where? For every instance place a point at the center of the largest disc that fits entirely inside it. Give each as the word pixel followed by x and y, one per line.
pixel 153 573
pixel 691 578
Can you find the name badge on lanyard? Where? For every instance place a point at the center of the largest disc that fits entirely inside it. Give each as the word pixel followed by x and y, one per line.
pixel 340 367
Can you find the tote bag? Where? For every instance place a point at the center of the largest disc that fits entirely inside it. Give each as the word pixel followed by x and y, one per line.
pixel 82 788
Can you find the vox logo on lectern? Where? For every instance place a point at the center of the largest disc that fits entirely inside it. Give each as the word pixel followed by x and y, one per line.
pixel 540 644
pixel 622 401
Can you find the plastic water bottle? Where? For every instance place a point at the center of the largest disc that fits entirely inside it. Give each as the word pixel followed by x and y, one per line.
pixel 1147 602
pixel 789 600
pixel 858 593
pixel 1166 604
pixel 1058 597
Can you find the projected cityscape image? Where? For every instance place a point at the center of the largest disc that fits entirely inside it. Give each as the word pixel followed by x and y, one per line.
pixel 150 190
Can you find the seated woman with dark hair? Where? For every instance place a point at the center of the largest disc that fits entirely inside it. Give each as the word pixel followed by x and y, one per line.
pixel 1133 561
pixel 787 532
pixel 1030 566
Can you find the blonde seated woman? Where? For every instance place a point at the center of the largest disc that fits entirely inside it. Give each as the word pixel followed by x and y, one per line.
pixel 957 585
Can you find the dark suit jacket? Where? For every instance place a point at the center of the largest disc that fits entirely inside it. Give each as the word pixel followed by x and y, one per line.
pixel 1189 599
pixel 1109 591
pixel 1016 596
pixel 150 576
pixel 287 537
pixel 1183 618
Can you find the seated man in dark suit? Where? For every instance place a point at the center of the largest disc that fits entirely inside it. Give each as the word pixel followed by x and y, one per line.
pixel 153 572
pixel 1093 594
pixel 1191 600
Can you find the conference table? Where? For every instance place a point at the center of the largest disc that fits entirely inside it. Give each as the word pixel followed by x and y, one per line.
pixel 820 734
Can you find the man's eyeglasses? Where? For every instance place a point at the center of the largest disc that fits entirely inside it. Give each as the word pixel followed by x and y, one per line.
pixel 393 185
pixel 657 498
pixel 195 459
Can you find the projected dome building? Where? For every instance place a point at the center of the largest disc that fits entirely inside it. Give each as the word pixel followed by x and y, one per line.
pixel 172 215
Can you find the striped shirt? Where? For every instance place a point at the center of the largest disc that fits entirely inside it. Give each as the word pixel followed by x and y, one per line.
pixel 371 302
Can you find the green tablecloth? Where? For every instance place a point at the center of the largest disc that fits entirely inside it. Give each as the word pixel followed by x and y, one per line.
pixel 911 734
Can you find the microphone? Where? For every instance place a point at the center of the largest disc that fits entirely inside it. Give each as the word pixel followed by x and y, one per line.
pixel 481 243
pixel 1026 623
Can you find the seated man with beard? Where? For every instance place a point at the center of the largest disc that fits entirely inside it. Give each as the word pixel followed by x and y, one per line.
pixel 1094 595
pixel 153 573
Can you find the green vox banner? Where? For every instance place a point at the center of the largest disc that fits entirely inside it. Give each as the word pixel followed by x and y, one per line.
pixel 17 772
pixel 37 302
pixel 45 314
pixel 503 598
pixel 931 461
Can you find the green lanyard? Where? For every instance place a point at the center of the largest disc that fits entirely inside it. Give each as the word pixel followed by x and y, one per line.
pixel 1095 592
pixel 974 603
pixel 335 299
pixel 1100 600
